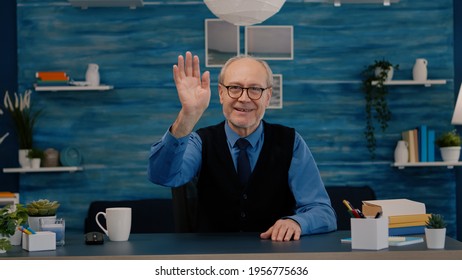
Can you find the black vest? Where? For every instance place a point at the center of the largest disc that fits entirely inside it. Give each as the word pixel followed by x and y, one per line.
pixel 224 205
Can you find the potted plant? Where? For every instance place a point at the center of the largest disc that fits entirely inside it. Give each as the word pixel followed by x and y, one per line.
pixel 40 208
pixel 435 231
pixel 375 93
pixel 11 216
pixel 36 156
pixel 449 143
pixel 24 120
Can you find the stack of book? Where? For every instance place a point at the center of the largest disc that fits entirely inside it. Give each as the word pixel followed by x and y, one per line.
pixel 51 79
pixel 407 224
pixel 405 217
pixel 421 143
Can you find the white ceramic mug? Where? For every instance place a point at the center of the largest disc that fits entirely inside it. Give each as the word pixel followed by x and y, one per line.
pixel 118 222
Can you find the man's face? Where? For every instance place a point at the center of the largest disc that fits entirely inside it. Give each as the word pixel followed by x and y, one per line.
pixel 244 114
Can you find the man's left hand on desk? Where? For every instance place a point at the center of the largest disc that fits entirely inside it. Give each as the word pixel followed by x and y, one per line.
pixel 283 230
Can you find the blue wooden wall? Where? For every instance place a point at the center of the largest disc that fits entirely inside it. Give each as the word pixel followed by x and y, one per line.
pixel 322 98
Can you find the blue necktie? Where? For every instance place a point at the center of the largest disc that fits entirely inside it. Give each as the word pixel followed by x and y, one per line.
pixel 243 163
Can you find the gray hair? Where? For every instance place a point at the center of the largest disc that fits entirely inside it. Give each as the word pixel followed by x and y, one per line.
pixel 269 73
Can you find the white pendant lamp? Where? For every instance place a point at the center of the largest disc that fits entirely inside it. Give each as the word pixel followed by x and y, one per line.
pixel 244 12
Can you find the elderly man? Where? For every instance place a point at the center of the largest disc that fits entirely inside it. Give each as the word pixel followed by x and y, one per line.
pixel 251 175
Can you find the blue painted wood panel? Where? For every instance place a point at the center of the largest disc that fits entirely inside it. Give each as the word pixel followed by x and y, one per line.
pixel 322 98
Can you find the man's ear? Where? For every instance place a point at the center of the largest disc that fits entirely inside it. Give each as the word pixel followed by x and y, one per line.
pixel 268 96
pixel 220 93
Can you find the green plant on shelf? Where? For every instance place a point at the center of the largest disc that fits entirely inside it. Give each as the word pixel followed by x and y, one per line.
pixel 375 93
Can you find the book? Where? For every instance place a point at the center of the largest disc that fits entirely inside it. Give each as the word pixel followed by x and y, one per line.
pixel 407 224
pixel 393 207
pixel 408 136
pixel 396 219
pixel 431 145
pixel 395 240
pixel 423 146
pixel 406 230
pixel 53 76
pixel 408 240
pixel 7 194
pixel 416 145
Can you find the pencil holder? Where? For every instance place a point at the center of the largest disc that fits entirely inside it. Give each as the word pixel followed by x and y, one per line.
pixel 40 241
pixel 369 234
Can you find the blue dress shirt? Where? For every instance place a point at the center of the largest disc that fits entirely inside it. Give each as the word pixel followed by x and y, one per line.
pixel 174 162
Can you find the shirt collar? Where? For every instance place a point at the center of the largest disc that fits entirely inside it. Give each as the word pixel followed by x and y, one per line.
pixel 252 138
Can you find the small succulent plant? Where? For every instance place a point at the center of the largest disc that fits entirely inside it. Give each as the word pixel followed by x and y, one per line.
pixel 448 139
pixel 42 207
pixel 435 221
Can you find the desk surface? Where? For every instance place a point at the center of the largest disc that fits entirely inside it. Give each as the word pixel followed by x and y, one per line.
pixel 232 246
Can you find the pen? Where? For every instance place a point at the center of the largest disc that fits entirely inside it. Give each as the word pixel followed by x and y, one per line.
pixel 361 215
pixel 378 215
pixel 348 205
pixel 21 228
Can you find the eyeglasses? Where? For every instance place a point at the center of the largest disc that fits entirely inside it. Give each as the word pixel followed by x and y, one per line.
pixel 235 92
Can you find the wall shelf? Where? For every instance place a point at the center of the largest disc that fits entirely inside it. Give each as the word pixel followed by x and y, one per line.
pixel 426 83
pixel 72 88
pixel 449 165
pixel 43 169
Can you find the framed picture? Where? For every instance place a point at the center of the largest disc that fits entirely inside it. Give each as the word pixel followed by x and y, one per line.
pixel 270 42
pixel 221 42
pixel 276 98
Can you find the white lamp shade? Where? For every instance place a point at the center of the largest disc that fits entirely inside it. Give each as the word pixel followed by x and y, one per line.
pixel 457 116
pixel 244 12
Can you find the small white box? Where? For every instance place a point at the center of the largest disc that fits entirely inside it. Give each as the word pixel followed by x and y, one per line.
pixel 40 241
pixel 369 234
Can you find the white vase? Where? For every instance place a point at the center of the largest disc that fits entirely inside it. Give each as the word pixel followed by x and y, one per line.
pixel 92 74
pixel 401 152
pixel 435 238
pixel 23 158
pixel 450 154
pixel 419 71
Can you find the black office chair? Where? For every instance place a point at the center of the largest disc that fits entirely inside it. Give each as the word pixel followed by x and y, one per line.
pixel 355 195
pixel 185 207
pixel 148 215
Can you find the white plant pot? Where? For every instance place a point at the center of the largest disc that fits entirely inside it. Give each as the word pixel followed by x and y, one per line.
pixel 15 239
pixel 35 163
pixel 435 238
pixel 450 154
pixel 389 72
pixel 23 158
pixel 34 222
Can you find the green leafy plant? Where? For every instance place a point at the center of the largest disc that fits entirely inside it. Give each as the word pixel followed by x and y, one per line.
pixel 35 153
pixel 42 207
pixel 24 118
pixel 375 93
pixel 5 244
pixel 11 216
pixel 448 139
pixel 435 221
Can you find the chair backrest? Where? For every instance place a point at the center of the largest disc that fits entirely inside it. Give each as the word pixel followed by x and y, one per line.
pixel 148 215
pixel 185 207
pixel 355 195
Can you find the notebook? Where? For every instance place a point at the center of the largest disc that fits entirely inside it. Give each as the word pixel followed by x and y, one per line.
pixel 395 240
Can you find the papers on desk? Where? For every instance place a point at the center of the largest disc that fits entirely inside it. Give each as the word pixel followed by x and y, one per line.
pixel 395 240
